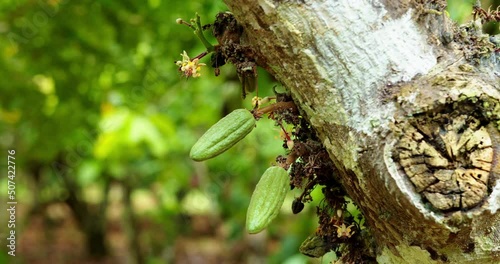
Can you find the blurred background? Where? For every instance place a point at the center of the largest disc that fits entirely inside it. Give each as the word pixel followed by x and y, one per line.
pixel 102 123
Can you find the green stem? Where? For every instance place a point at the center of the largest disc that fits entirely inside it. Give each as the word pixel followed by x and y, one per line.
pixel 199 34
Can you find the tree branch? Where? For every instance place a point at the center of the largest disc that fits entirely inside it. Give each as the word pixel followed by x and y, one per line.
pixel 364 72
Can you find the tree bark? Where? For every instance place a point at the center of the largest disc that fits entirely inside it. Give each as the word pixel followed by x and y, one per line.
pixel 407 110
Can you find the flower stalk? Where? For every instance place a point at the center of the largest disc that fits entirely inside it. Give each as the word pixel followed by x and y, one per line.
pixel 199 33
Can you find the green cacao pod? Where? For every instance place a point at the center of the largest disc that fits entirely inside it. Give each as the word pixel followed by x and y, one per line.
pixel 223 135
pixel 267 199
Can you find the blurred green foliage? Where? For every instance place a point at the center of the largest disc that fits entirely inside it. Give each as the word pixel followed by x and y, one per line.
pixel 92 102
pixel 92 97
pixel 460 10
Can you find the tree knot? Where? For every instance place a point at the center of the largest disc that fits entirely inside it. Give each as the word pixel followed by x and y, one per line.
pixel 447 154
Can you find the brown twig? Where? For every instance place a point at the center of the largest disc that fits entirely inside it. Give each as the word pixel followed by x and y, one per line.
pixel 280 106
pixel 486 16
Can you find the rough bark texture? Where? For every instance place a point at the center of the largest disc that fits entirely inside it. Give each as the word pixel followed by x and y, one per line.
pixel 410 125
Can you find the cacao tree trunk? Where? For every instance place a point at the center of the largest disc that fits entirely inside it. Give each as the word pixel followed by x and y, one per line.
pixel 407 106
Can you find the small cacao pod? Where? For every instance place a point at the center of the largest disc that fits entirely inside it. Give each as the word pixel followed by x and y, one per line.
pixel 223 135
pixel 297 205
pixel 267 199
